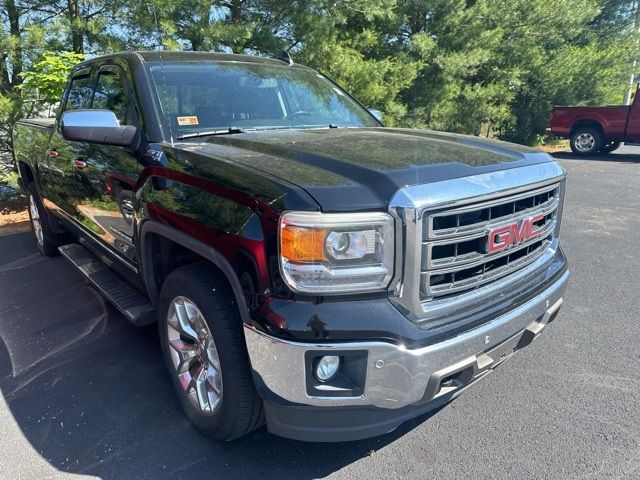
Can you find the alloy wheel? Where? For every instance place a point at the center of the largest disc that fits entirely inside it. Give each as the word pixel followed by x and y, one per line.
pixel 35 220
pixel 194 355
pixel 585 142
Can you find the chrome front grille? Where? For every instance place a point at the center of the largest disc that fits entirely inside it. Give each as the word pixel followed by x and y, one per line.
pixel 454 251
pixel 444 273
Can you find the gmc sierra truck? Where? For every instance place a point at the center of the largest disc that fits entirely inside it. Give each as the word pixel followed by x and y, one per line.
pixel 308 268
pixel 593 130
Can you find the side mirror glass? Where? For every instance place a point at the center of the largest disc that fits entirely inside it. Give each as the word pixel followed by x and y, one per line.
pixel 377 114
pixel 98 126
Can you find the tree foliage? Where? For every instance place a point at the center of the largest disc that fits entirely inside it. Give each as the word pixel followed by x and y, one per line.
pixel 47 77
pixel 458 65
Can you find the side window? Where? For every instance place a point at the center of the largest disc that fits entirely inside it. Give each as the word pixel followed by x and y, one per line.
pixel 110 95
pixel 79 93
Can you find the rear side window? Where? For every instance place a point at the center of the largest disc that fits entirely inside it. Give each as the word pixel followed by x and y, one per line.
pixel 79 93
pixel 110 95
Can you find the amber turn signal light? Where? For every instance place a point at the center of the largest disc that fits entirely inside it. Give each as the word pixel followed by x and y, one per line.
pixel 300 244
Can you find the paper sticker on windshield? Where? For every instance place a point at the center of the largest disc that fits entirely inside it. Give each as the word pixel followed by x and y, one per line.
pixel 182 121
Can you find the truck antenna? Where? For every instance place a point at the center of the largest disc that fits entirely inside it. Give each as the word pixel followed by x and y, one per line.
pixel 286 57
pixel 166 98
pixel 164 80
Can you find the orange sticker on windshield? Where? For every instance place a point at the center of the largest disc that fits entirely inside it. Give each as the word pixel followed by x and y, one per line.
pixel 182 121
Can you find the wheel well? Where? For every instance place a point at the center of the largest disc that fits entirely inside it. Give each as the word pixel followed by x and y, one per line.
pixel 25 173
pixel 165 255
pixel 587 123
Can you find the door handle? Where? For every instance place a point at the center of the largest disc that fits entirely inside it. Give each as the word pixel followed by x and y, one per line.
pixel 79 163
pixel 53 153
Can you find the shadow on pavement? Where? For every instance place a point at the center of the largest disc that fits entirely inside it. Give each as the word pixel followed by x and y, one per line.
pixel 90 393
pixel 610 157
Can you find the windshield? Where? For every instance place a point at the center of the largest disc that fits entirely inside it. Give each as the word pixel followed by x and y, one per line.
pixel 202 97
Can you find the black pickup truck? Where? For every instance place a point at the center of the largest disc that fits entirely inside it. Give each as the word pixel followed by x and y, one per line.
pixel 308 268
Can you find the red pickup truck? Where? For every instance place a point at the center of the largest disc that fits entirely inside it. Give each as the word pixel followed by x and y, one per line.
pixel 593 130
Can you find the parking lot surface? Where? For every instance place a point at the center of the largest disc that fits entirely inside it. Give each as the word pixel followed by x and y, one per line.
pixel 84 394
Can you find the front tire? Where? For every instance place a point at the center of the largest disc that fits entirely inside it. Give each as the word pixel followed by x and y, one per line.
pixel 586 141
pixel 205 353
pixel 45 237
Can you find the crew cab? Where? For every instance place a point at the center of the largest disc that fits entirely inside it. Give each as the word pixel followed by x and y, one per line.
pixel 593 130
pixel 308 268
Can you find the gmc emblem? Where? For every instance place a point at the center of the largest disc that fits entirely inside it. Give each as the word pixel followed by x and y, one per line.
pixel 514 234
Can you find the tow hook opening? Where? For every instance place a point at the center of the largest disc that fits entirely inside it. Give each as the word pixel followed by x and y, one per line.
pixel 452 381
pixel 455 381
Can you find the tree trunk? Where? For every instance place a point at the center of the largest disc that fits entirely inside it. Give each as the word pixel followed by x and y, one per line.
pixel 5 82
pixel 16 58
pixel 77 33
pixel 235 8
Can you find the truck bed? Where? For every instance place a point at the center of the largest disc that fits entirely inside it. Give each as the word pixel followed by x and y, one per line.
pixel 31 141
pixel 611 119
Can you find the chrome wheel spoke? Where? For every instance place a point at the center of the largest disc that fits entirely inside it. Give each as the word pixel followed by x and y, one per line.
pixel 183 354
pixel 212 355
pixel 214 387
pixel 200 387
pixel 185 380
pixel 182 321
pixel 35 220
pixel 214 378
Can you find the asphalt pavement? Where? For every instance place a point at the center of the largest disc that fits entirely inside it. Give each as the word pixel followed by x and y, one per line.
pixel 85 395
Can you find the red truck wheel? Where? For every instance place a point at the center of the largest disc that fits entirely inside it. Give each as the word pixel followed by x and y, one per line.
pixel 586 141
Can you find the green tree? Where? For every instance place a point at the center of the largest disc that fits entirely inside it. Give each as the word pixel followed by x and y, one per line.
pixel 46 78
pixel 509 62
pixel 457 65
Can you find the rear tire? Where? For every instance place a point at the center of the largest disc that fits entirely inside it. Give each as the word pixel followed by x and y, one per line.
pixel 204 350
pixel 586 141
pixel 39 216
pixel 610 147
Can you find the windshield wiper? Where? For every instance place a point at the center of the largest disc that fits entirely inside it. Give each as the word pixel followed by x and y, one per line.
pixel 226 131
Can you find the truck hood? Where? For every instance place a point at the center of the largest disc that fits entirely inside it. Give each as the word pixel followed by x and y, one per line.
pixel 362 168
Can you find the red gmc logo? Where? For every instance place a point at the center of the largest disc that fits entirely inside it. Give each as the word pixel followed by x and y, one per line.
pixel 514 234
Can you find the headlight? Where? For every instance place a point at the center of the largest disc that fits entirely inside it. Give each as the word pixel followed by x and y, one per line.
pixel 336 253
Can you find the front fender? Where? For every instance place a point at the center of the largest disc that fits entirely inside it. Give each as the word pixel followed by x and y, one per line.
pixel 208 253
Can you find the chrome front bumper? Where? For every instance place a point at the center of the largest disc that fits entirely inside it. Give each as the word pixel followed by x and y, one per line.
pixel 397 376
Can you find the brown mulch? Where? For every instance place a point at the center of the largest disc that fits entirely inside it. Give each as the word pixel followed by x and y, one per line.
pixel 14 217
pixel 552 149
pixel 555 146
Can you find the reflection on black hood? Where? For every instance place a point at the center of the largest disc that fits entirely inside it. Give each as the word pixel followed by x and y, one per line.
pixel 361 168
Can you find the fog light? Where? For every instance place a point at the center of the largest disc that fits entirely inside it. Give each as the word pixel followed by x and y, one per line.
pixel 327 367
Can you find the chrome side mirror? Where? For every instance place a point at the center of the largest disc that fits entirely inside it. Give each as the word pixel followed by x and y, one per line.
pixel 98 126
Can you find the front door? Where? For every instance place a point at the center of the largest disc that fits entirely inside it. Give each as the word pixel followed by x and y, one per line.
pixel 59 185
pixel 101 198
pixel 111 172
